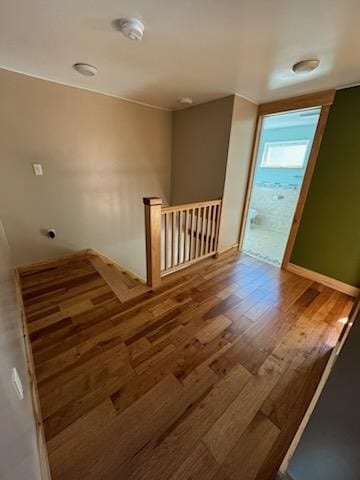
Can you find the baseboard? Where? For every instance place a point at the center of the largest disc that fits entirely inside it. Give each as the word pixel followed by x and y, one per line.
pixel 108 259
pixel 55 261
pixel 324 279
pixel 227 250
pixel 40 434
pixel 27 269
pixel 309 411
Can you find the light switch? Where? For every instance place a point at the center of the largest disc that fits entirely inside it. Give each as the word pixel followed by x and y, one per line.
pixel 37 167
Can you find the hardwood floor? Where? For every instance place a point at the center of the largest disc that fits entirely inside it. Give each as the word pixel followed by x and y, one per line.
pixel 207 378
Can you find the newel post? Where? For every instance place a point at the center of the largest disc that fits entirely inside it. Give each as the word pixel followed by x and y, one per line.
pixel 153 240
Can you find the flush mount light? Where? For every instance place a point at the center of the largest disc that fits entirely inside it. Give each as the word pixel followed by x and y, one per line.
pixel 131 28
pixel 184 101
pixel 305 66
pixel 85 69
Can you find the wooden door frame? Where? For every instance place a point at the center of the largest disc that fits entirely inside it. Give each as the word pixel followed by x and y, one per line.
pixel 324 100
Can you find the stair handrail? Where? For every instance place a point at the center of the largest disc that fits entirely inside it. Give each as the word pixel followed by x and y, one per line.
pixel 178 236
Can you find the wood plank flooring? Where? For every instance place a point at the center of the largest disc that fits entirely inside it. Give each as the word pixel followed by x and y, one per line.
pixel 207 378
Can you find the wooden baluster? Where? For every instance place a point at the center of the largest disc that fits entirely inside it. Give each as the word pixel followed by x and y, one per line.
pixel 162 240
pixel 215 225
pixel 191 238
pixel 213 228
pixel 166 241
pixel 218 217
pixel 179 237
pixel 207 230
pixel 191 246
pixel 186 235
pixel 197 232
pixel 153 240
pixel 210 228
pixel 173 232
pixel 202 231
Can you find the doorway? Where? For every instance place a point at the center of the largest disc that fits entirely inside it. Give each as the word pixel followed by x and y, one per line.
pixel 283 151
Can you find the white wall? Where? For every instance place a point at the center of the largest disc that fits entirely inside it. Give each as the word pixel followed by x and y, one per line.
pixel 237 169
pixel 18 448
pixel 100 155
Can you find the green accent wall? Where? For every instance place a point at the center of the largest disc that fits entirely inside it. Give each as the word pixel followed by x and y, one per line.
pixel 328 239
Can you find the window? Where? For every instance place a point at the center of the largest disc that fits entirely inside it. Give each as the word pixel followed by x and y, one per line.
pixel 285 154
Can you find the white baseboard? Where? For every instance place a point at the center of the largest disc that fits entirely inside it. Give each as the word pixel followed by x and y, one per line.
pixel 325 280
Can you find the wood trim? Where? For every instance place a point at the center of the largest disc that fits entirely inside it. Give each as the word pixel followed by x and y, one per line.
pixel 164 273
pixel 227 249
pixel 326 98
pixel 166 240
pixel 153 240
pixel 212 228
pixel 209 260
pixel 324 377
pixel 208 225
pixel 332 359
pixel 305 187
pixel 204 233
pixel 189 206
pixel 250 179
pixel 111 272
pixel 186 227
pixel 106 259
pixel 217 223
pixel 54 261
pixel 179 233
pixel 173 232
pixel 40 434
pixel 152 201
pixel 324 279
pixel 111 277
pixel 318 99
pixel 348 325
pixel 191 239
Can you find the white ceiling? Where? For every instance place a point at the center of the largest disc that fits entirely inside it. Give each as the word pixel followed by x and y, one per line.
pixel 204 49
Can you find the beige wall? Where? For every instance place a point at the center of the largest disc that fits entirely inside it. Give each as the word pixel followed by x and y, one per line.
pixel 18 451
pixel 240 147
pixel 199 151
pixel 100 156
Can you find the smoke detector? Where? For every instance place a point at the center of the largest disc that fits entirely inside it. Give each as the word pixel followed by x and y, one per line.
pixel 184 101
pixel 305 66
pixel 85 69
pixel 131 28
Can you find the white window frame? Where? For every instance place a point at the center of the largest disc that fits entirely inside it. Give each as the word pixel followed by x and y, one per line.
pixel 268 145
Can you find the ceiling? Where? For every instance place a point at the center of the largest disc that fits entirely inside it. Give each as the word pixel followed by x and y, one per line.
pixel 203 49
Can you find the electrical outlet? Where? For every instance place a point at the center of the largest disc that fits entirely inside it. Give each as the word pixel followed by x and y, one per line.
pixel 16 380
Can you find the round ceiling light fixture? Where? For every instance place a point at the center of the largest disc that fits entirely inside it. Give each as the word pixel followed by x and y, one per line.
pixel 131 28
pixel 184 101
pixel 85 69
pixel 305 66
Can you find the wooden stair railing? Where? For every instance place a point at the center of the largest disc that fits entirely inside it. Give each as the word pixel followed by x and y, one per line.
pixel 178 236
